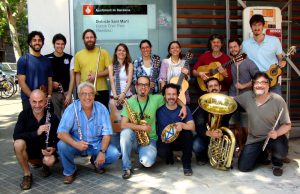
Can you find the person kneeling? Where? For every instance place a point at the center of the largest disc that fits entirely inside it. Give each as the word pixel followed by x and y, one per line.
pixel 30 137
pixel 85 129
pixel 168 114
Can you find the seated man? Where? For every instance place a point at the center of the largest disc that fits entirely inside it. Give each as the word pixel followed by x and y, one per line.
pixel 144 107
pixel 30 137
pixel 168 114
pixel 263 109
pixel 85 129
pixel 201 140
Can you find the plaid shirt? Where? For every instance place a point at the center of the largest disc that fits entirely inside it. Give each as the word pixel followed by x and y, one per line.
pixel 139 71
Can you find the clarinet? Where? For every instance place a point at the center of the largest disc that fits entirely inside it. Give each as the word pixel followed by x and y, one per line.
pixel 77 119
pixel 47 122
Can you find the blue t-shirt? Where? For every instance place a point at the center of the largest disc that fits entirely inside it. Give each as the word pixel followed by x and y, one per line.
pixel 36 69
pixel 165 117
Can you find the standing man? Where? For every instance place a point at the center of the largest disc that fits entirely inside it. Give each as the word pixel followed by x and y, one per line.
pixel 34 69
pixel 85 129
pixel 63 79
pixel 144 106
pixel 168 114
pixel 242 72
pixel 263 109
pixel 214 54
pixel 30 137
pixel 86 62
pixel 264 50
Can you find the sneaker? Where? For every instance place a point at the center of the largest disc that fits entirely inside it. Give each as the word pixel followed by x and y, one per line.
pixel 187 171
pixel 26 182
pixel 127 174
pixel 70 179
pixel 45 171
pixel 277 171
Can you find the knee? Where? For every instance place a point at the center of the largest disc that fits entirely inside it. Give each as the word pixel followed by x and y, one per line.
pixel 62 146
pixel 19 145
pixel 125 135
pixel 147 161
pixel 243 167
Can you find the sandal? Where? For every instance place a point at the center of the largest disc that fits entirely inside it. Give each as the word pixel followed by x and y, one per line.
pixel 26 182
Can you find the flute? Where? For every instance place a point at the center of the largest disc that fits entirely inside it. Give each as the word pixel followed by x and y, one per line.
pixel 97 67
pixel 268 138
pixel 77 119
pixel 47 122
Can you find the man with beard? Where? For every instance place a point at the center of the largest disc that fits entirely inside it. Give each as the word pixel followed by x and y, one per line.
pixel 144 107
pixel 168 114
pixel 263 109
pixel 242 71
pixel 63 79
pixel 34 70
pixel 264 50
pixel 213 55
pixel 30 136
pixel 201 140
pixel 86 62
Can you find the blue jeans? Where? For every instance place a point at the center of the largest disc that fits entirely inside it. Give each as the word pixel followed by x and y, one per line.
pixel 147 154
pixel 252 153
pixel 115 140
pixel 67 154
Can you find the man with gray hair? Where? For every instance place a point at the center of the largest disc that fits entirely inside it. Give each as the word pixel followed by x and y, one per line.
pixel 85 129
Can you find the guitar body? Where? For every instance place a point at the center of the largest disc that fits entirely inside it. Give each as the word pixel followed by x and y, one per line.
pixel 115 116
pixel 184 87
pixel 208 68
pixel 274 72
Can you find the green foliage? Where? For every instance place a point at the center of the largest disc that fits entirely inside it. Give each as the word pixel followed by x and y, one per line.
pixel 21 24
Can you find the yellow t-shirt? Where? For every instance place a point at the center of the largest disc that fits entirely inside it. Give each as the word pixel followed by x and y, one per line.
pixel 85 61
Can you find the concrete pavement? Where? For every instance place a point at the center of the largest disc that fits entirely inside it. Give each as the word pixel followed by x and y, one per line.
pixel 160 178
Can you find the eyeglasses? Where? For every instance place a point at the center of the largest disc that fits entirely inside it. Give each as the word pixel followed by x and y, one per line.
pixel 261 82
pixel 85 94
pixel 143 85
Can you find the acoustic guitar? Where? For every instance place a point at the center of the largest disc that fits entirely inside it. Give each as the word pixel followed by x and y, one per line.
pixel 181 81
pixel 275 71
pixel 212 69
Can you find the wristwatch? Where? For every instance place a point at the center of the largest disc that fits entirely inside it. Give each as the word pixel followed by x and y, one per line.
pixel 103 151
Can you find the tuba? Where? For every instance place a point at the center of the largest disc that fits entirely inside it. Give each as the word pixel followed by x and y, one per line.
pixel 141 136
pixel 220 150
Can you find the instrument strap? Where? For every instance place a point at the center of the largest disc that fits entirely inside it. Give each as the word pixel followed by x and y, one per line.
pixel 117 74
pixel 142 111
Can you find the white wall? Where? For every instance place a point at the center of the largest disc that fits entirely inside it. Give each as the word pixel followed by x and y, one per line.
pixel 50 17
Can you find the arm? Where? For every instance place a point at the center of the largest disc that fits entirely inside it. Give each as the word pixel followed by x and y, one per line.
pixel 128 84
pixel 190 126
pixel 50 86
pixel 71 87
pixel 183 111
pixel 125 123
pixel 103 73
pixel 104 145
pixel 77 78
pixel 23 85
pixel 282 130
pixel 112 80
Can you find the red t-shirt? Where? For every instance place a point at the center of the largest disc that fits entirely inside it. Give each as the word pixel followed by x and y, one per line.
pixel 207 58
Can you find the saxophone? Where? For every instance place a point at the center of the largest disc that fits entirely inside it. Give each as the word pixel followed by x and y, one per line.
pixel 141 136
pixel 220 150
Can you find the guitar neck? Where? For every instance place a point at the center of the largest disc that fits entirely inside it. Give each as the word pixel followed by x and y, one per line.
pixel 214 71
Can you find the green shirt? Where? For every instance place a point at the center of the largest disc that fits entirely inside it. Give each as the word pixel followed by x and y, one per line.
pixel 155 101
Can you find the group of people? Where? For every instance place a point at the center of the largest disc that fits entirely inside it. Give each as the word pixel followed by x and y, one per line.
pixel 147 99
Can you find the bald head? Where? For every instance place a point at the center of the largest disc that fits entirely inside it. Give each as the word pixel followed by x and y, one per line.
pixel 37 101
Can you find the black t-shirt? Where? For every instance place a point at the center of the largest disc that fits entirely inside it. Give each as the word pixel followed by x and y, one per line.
pixel 27 126
pixel 61 69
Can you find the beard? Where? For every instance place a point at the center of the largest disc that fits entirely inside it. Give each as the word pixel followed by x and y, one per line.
pixel 89 45
pixel 259 92
pixel 36 49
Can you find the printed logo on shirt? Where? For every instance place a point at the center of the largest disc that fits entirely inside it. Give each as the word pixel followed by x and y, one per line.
pixel 66 61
